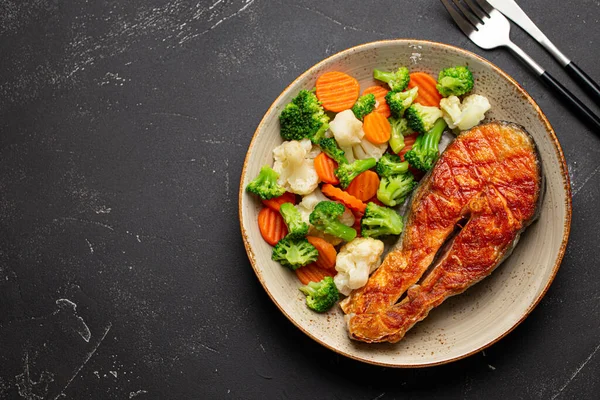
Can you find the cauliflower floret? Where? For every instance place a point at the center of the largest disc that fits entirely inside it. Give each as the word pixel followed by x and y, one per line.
pixel 295 168
pixel 366 149
pixel 355 261
pixel 466 115
pixel 307 205
pixel 346 129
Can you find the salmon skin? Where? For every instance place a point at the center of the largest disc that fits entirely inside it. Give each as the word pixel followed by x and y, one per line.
pixel 463 220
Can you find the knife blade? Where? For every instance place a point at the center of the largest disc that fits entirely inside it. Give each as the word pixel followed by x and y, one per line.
pixel 513 11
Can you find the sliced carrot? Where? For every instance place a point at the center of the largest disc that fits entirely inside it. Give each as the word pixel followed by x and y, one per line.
pixel 364 186
pixel 346 198
pixel 325 168
pixel 327 252
pixel 337 91
pixel 276 202
pixel 377 128
pixel 382 106
pixel 409 141
pixel 428 94
pixel 272 226
pixel 313 273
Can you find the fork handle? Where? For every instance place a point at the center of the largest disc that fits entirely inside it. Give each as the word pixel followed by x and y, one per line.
pixel 583 79
pixel 573 102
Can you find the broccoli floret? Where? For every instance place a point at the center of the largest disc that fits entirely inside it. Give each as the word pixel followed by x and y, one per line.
pixel 421 118
pixel 391 164
pixel 294 253
pixel 393 190
pixel 297 229
pixel 380 221
pixel 399 130
pixel 325 217
pixel 400 101
pixel 303 118
pixel 347 172
pixel 424 152
pixel 455 81
pixel 321 296
pixel 364 105
pixel 265 184
pixel 397 81
pixel 331 148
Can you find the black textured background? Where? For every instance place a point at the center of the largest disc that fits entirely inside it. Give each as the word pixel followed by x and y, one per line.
pixel 123 129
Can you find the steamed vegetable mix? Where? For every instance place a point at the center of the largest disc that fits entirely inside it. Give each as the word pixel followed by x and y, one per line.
pixel 395 189
pixel 400 129
pixel 346 166
pixel 380 221
pixel 428 93
pixel 337 91
pixel 297 229
pixel 294 253
pixel 364 105
pixel 422 118
pixel 391 164
pixel 396 80
pixel 455 81
pixel 325 217
pixel 424 152
pixel 400 101
pixel 265 184
pixel 303 118
pixel 347 172
pixel 321 296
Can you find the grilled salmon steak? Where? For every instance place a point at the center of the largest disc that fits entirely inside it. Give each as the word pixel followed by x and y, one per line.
pixel 464 219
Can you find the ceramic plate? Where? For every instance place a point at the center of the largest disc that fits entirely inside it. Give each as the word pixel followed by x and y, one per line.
pixel 485 313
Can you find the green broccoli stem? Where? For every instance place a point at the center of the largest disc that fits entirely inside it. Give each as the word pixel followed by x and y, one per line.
pixel 311 288
pixel 432 138
pixel 396 140
pixel 347 172
pixel 320 134
pixel 340 230
pixel 383 75
pixel 361 166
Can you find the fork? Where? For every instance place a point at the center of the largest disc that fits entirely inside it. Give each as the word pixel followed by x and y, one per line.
pixel 489 29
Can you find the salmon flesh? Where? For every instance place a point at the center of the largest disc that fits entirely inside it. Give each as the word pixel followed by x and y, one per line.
pixel 464 219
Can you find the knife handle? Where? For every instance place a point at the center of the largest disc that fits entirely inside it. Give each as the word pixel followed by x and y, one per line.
pixel 573 102
pixel 583 80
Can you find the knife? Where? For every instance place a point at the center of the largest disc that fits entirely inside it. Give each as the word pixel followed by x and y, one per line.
pixel 511 9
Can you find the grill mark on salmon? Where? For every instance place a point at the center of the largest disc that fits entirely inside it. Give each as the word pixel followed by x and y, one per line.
pixel 491 173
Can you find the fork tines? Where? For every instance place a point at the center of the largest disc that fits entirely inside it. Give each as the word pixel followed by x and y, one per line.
pixel 468 14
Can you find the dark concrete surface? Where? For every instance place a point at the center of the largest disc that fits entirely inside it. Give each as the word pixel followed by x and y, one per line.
pixel 123 129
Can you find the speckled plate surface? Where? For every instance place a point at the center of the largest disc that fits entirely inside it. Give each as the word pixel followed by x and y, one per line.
pixel 486 312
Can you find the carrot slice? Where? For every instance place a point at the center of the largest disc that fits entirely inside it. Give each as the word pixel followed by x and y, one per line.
pixel 276 202
pixel 325 168
pixel 377 128
pixel 364 186
pixel 271 225
pixel 327 253
pixel 313 273
pixel 428 94
pixel 346 198
pixel 382 106
pixel 409 141
pixel 337 91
